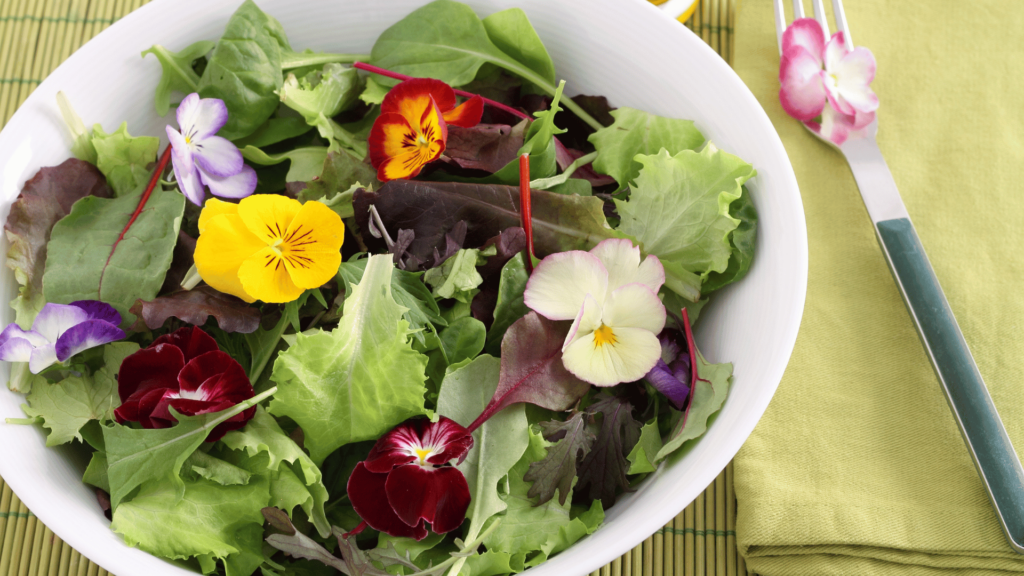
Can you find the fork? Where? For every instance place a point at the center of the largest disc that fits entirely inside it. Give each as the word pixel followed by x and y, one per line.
pixel 968 398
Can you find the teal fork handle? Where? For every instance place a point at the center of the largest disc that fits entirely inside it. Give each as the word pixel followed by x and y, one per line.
pixel 972 406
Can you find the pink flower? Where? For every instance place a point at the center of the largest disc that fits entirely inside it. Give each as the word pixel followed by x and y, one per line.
pixel 406 480
pixel 813 73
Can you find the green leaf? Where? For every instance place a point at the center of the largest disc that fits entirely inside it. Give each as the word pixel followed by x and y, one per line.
pixel 263 435
pixel 79 262
pixel 708 396
pixel 638 132
pixel 245 70
pixel 407 545
pixel 463 339
pixel 488 563
pixel 124 159
pixel 306 163
pixel 68 405
pixel 743 239
pixel 200 518
pixel 275 130
pixel 569 534
pixel 177 75
pixel 216 470
pixel 679 207
pixel 556 471
pixel 341 170
pixel 681 281
pixel 498 443
pixel 329 91
pixel 510 306
pixel 96 472
pixel 641 456
pixel 138 456
pixel 360 380
pixel 81 137
pixel 539 143
pixel 512 33
pixel 457 277
pixel 374 92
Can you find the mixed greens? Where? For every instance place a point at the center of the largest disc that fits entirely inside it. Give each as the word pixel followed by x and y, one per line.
pixel 376 321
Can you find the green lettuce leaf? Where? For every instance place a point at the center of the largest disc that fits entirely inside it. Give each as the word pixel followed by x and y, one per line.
pixel 177 74
pixel 743 239
pixel 374 92
pixel 96 472
pixel 642 455
pixel 360 380
pixel 708 397
pixel 124 159
pixel 304 163
pixel 569 534
pixel 263 434
pixel 679 207
pixel 510 306
pixel 457 277
pixel 329 91
pixel 638 132
pixel 79 262
pixel 216 470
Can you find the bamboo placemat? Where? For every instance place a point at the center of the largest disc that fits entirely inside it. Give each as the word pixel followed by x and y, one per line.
pixel 37 35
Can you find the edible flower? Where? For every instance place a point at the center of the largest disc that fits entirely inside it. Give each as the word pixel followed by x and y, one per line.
pixel 59 332
pixel 184 370
pixel 412 128
pixel 202 159
pixel 406 480
pixel 814 73
pixel 671 374
pixel 268 247
pixel 612 299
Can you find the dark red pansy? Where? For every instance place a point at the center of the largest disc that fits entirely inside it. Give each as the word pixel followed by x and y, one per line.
pixel 406 480
pixel 184 370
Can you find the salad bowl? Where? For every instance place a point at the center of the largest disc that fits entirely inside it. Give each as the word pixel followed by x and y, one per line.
pixel 628 51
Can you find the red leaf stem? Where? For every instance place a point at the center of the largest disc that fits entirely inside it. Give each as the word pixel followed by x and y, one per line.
pixel 397 76
pixel 160 166
pixel 694 376
pixel 525 210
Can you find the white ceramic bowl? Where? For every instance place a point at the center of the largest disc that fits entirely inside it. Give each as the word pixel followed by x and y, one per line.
pixel 626 50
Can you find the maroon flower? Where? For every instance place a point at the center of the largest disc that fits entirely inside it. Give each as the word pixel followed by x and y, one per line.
pixel 184 370
pixel 406 480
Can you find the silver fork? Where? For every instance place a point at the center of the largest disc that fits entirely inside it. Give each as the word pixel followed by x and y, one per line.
pixel 968 398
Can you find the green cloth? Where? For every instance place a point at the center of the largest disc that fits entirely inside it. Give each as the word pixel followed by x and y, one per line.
pixel 857 467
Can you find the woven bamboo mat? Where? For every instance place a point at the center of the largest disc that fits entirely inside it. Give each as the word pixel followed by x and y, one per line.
pixel 37 35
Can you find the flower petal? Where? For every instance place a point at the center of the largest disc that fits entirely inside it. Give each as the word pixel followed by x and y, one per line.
pixel 411 97
pixel 395 448
pixel 190 340
pixel 622 260
pixel 402 167
pixel 387 136
pixel 835 50
pixel 200 118
pixel 467 114
pixel 219 375
pixel 665 381
pixel 366 493
pixel 804 33
pixel 181 151
pixel 439 496
pixel 148 408
pixel 635 306
pixel 802 91
pixel 268 215
pixel 149 369
pixel 560 283
pixel 451 437
pixel 41 358
pixel 214 207
pixel 14 331
pixel 588 320
pixel 88 334
pixel 265 277
pixel 17 350
pixel 220 251
pixel 312 245
pixel 190 184
pixel 54 319
pixel 238 185
pixel 632 355
pixel 854 73
pixel 99 311
pixel 217 156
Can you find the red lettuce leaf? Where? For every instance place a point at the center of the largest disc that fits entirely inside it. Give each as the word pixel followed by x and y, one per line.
pixel 487 147
pixel 181 262
pixel 195 307
pixel 603 470
pixel 573 440
pixel 508 243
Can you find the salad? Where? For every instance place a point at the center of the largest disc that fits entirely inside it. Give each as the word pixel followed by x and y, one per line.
pixel 408 312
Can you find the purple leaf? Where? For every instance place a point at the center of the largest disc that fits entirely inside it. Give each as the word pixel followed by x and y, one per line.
pixel 195 307
pixel 565 156
pixel 603 471
pixel 573 441
pixel 508 243
pixel 532 369
pixel 487 147
pixel 181 262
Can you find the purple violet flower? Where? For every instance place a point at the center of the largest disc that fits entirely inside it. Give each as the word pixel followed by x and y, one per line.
pixel 202 159
pixel 59 332
pixel 671 375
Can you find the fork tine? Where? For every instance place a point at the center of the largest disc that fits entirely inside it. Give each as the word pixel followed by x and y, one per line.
pixel 819 14
pixel 780 23
pixel 840 15
pixel 798 9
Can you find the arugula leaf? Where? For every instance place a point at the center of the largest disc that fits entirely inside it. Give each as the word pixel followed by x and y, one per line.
pixel 510 306
pixel 195 307
pixel 642 455
pixel 263 435
pixel 200 518
pixel 638 132
pixel 512 33
pixel 84 260
pixel 457 277
pixel 679 207
pixel 124 159
pixel 557 469
pixel 743 239
pixel 305 163
pixel 603 470
pixel 138 456
pixel 177 73
pixel 68 405
pixel 245 70
pixel 44 200
pixel 360 380
pixel 708 397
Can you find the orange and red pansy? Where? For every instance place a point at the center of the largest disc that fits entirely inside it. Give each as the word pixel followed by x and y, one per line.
pixel 412 128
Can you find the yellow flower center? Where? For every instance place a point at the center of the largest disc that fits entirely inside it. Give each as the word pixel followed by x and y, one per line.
pixel 604 335
pixel 423 454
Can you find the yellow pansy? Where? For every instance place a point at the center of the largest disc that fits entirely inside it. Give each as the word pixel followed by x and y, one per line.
pixel 268 247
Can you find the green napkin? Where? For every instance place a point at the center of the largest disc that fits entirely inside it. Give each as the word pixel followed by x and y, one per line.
pixel 857 466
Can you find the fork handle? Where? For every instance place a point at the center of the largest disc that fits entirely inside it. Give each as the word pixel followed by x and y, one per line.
pixel 968 398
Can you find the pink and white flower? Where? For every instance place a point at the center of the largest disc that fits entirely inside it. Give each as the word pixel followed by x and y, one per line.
pixel 201 159
pixel 612 299
pixel 59 332
pixel 813 73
